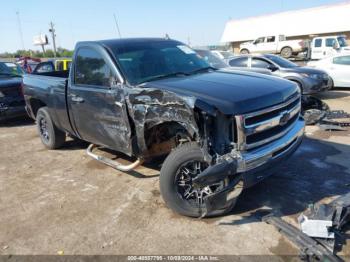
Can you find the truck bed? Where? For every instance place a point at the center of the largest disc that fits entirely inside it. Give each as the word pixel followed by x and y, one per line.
pixel 51 88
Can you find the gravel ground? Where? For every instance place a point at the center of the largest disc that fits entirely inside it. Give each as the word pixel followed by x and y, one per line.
pixel 62 200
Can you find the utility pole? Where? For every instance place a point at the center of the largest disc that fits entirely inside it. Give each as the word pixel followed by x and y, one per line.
pixel 20 29
pixel 188 41
pixel 43 48
pixel 52 31
pixel 117 26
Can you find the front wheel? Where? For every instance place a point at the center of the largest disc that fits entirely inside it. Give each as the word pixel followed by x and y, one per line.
pixel 244 52
pixel 178 192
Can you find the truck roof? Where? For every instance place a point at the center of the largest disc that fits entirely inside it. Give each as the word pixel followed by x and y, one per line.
pixel 127 41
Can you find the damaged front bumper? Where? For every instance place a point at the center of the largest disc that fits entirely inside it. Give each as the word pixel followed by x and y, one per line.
pixel 249 167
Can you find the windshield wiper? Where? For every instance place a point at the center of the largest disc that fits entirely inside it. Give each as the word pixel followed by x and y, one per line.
pixel 203 69
pixel 165 76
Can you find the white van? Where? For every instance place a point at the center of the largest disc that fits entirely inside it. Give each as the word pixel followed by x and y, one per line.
pixel 326 46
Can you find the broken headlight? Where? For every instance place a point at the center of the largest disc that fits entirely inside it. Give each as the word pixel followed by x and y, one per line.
pixel 314 76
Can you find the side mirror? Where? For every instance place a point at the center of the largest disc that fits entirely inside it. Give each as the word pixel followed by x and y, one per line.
pixel 272 68
pixel 113 81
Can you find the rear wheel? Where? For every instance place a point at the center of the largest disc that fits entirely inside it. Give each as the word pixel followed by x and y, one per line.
pixel 287 52
pixel 50 135
pixel 178 170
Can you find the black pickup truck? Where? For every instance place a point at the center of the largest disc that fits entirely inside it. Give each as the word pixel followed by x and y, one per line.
pixel 11 97
pixel 219 131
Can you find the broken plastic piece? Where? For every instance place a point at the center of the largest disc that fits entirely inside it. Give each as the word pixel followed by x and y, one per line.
pixel 316 228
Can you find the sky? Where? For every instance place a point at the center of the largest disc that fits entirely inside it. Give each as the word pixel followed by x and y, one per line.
pixel 191 21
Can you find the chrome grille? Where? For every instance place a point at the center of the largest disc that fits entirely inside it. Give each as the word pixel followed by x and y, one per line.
pixel 262 127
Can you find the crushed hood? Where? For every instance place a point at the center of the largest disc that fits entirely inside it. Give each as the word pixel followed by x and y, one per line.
pixel 231 93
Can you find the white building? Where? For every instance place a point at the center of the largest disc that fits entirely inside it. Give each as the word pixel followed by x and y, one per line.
pixel 300 24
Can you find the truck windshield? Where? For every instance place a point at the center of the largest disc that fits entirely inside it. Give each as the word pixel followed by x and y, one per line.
pixel 342 41
pixel 147 61
pixel 280 61
pixel 10 69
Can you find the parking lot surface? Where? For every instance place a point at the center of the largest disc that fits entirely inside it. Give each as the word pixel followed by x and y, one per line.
pixel 62 200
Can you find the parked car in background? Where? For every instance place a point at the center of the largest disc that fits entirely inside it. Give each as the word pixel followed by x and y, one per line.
pixel 309 80
pixel 53 65
pixel 212 59
pixel 338 68
pixel 225 55
pixel 276 44
pixel 325 46
pixel 221 64
pixel 220 132
pixel 11 96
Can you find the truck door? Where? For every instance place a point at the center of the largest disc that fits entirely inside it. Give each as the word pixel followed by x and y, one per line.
pixel 270 45
pixel 330 43
pixel 96 100
pixel 258 45
pixel 317 48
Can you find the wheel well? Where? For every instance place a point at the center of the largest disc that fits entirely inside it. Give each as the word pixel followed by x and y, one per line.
pixel 160 139
pixel 35 105
pixel 287 46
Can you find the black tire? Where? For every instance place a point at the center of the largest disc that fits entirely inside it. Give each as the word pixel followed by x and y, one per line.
pixel 331 84
pixel 50 135
pixel 169 185
pixel 287 52
pixel 244 52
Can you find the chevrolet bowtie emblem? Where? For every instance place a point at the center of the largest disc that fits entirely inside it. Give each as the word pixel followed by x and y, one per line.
pixel 284 118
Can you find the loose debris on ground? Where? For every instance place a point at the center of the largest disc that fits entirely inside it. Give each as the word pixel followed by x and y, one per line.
pixel 317 112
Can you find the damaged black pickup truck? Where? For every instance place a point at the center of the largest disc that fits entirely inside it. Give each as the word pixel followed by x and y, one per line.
pixel 150 97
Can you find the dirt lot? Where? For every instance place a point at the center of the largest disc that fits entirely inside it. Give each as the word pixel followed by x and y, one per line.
pixel 63 200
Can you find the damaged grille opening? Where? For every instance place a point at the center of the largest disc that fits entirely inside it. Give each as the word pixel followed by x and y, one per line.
pixel 256 129
pixel 269 115
pixel 254 138
pixel 222 134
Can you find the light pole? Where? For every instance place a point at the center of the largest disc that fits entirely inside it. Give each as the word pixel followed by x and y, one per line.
pixel 20 29
pixel 52 31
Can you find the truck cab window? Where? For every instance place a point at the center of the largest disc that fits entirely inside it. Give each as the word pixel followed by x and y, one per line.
pixel 318 43
pixel 270 39
pixel 239 62
pixel 45 67
pixel 330 42
pixel 260 63
pixel 92 69
pixel 259 40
